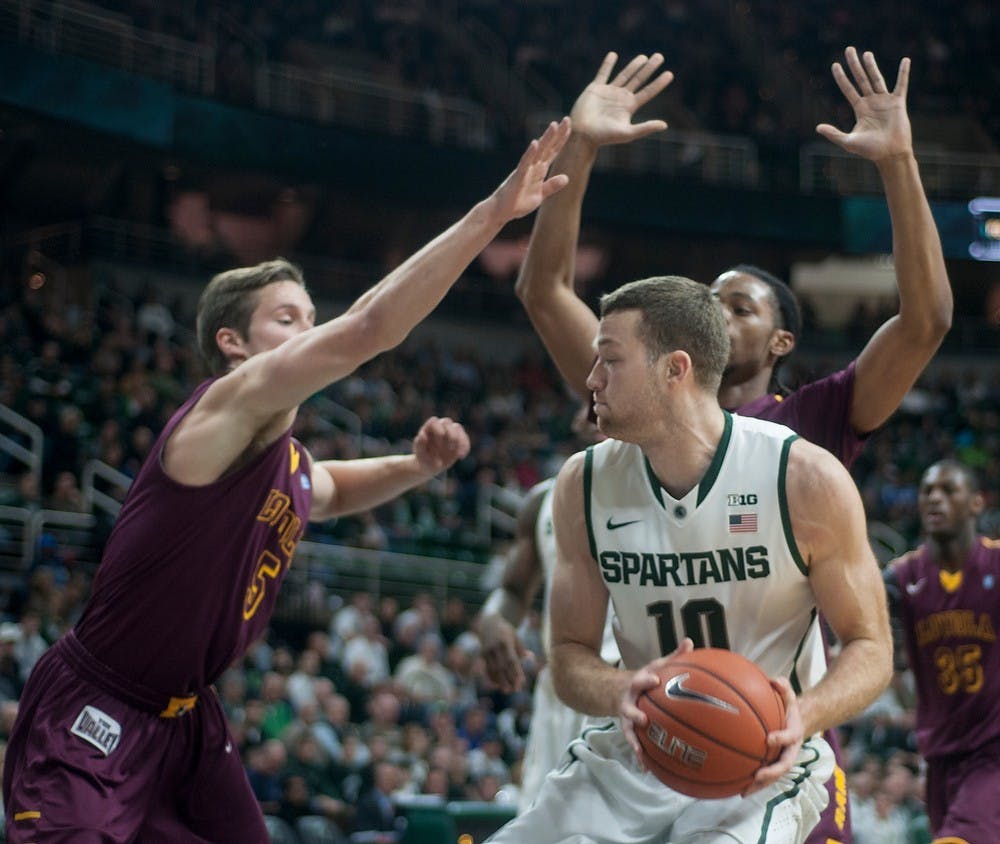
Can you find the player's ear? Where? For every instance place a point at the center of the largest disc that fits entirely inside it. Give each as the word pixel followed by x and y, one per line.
pixel 231 345
pixel 782 342
pixel 976 503
pixel 678 365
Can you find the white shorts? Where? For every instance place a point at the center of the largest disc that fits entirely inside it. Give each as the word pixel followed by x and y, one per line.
pixel 553 726
pixel 601 797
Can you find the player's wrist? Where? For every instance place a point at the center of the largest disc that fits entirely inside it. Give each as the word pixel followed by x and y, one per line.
pixel 900 158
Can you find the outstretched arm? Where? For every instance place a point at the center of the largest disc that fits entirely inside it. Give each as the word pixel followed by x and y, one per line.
pixel 601 115
pixel 341 487
pixel 507 605
pixel 899 351
pixel 254 402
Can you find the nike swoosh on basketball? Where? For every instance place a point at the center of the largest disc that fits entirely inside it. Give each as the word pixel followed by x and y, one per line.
pixel 913 588
pixel 675 689
pixel 614 526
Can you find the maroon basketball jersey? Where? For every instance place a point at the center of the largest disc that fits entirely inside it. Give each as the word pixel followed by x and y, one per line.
pixel 190 574
pixel 820 412
pixel 950 623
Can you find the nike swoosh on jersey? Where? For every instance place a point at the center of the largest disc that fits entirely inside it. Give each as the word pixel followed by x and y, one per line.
pixel 615 526
pixel 913 588
pixel 674 688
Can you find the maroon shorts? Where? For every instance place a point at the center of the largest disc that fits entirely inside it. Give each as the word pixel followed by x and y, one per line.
pixel 962 794
pixel 84 766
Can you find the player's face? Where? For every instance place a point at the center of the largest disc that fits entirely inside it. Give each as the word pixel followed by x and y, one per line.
pixel 750 316
pixel 946 503
pixel 284 309
pixel 622 380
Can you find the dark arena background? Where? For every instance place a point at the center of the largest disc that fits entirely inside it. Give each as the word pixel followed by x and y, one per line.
pixel 146 146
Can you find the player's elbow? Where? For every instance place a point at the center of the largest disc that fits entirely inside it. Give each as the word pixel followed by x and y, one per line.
pixel 937 323
pixel 376 331
pixel 928 327
pixel 536 289
pixel 941 320
pixel 524 289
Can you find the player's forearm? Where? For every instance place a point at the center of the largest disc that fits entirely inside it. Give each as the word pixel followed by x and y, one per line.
pixel 411 291
pixel 859 674
pixel 551 254
pixel 925 297
pixel 584 682
pixel 360 485
pixel 545 285
pixel 504 603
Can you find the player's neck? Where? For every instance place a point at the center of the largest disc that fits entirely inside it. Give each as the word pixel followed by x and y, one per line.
pixel 951 552
pixel 735 392
pixel 683 454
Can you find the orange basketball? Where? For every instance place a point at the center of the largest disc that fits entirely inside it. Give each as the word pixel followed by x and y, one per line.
pixel 708 723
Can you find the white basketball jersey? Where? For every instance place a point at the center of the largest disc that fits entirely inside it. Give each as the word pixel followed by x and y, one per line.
pixel 545 545
pixel 719 565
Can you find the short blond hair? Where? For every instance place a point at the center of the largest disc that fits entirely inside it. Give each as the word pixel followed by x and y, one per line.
pixel 229 300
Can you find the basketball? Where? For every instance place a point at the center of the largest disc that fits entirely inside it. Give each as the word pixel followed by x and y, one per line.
pixel 708 723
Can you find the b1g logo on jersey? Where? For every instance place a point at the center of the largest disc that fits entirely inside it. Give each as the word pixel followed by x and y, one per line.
pixel 741 499
pixel 98 728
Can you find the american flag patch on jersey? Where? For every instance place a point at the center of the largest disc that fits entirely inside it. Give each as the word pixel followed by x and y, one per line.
pixel 743 523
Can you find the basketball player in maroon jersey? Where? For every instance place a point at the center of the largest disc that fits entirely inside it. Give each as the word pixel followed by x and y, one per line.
pixel 945 599
pixel 119 736
pixel 838 411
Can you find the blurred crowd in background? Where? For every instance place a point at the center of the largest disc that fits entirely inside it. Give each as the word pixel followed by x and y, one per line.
pixel 736 64
pixel 383 699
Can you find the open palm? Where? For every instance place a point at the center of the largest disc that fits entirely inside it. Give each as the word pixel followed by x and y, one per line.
pixel 882 126
pixel 524 189
pixel 603 112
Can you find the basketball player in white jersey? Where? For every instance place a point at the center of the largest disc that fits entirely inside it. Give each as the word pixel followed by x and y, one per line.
pixel 710 529
pixel 529 566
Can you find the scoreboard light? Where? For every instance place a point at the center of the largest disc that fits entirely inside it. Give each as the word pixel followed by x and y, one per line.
pixel 985 211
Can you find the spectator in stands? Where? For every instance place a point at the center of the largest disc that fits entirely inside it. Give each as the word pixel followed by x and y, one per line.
pixel 404 636
pixel 423 677
pixel 66 494
pixel 454 619
pixel 384 718
pixel 307 760
pixel 301 685
pixel 487 759
pixel 153 317
pixel 11 682
pixel 436 782
pixel 376 808
pixel 65 447
pixel 30 647
pixel 265 764
pixel 348 621
pixel 475 726
pixel 25 493
pixel 310 719
pixel 278 712
pixel 232 688
pixel 366 655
